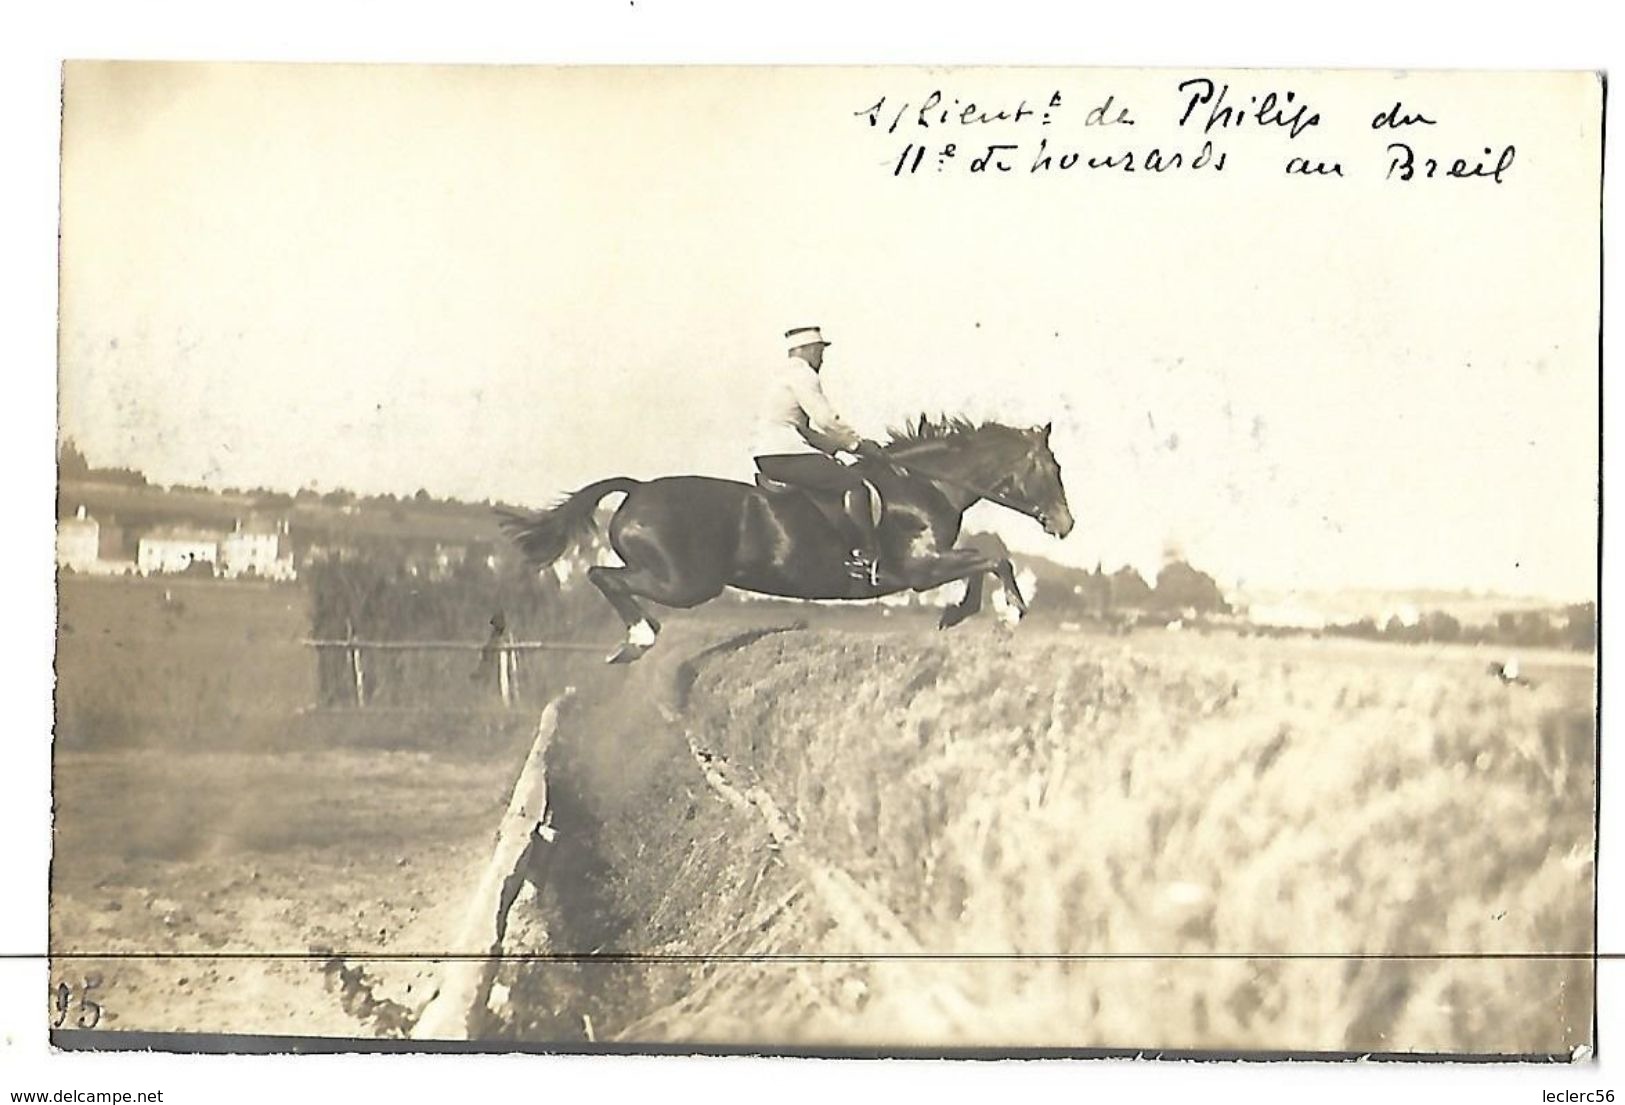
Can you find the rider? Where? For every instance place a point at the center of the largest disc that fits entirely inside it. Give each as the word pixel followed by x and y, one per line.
pixel 799 402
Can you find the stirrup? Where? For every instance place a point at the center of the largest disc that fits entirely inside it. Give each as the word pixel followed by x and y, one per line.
pixel 862 568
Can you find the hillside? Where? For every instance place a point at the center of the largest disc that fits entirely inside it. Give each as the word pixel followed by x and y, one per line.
pixel 335 518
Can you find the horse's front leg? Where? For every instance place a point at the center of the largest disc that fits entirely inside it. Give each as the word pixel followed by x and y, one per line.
pixel 1006 572
pixel 970 604
pixel 1015 604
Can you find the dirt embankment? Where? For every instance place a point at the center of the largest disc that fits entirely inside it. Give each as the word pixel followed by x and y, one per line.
pixel 817 837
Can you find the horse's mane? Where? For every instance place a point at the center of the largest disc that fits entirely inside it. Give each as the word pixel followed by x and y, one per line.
pixel 926 428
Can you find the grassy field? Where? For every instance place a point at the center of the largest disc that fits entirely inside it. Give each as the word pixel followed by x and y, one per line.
pixel 213 665
pixel 174 661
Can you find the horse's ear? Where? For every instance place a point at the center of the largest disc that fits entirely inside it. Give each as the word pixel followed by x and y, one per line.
pixel 1043 431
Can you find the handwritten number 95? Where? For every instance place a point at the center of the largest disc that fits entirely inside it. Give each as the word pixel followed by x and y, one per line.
pixel 89 1012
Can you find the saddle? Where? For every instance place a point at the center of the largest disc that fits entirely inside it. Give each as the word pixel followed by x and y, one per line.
pixel 818 478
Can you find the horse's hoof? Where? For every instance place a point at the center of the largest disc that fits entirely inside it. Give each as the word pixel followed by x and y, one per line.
pixel 626 654
pixel 640 636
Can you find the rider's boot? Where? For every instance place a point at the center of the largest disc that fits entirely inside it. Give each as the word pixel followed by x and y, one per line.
pixel 863 562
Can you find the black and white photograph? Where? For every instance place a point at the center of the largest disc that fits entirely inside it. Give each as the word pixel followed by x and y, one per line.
pixel 817 560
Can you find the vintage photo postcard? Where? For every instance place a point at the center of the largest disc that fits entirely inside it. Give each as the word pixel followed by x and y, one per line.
pixel 827 561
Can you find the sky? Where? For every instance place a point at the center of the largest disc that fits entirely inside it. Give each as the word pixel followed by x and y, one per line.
pixel 494 282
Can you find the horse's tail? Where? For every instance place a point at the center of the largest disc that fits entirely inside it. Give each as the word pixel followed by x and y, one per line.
pixel 547 535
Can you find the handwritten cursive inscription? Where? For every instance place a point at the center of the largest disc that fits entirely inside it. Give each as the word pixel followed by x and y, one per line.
pixel 1397 116
pixel 1270 110
pixel 1047 134
pixel 1405 164
pixel 937 110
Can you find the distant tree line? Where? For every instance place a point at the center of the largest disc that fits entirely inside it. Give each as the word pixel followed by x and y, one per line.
pixel 1180 591
pixel 1571 627
pixel 72 465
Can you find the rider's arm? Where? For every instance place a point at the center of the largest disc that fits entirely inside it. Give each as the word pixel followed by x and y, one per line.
pixel 810 395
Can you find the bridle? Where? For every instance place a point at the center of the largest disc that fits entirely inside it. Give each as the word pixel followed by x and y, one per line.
pixel 999 493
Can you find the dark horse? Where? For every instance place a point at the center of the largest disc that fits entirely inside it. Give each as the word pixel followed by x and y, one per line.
pixel 685 538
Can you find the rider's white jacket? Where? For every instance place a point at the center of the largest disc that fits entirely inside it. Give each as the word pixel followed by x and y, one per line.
pixel 794 391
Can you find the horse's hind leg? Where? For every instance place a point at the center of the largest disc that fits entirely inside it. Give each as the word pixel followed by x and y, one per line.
pixel 641 627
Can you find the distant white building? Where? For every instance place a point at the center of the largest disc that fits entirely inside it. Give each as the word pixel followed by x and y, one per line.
pixel 258 551
pixel 78 542
pixel 168 549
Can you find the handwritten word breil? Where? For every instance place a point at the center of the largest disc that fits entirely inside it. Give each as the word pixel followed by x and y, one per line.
pixel 1404 164
pixel 1269 111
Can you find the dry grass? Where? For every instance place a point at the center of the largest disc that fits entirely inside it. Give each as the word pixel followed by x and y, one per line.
pixel 1277 799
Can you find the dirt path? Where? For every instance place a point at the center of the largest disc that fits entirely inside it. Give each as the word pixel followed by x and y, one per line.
pixel 205 899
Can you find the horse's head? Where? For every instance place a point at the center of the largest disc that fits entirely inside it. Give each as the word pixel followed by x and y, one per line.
pixel 1037 484
pixel 1014 468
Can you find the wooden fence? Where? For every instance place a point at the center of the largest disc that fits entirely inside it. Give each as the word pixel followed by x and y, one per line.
pixel 502 654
